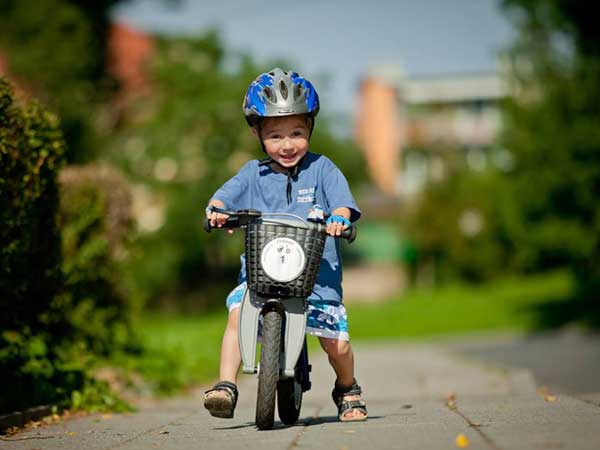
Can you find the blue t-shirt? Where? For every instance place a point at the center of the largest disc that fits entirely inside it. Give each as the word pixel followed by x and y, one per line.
pixel 319 182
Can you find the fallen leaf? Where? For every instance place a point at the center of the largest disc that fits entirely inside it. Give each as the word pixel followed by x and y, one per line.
pixel 163 432
pixel 450 404
pixel 462 441
pixel 545 392
pixel 106 416
pixel 349 431
pixel 451 396
pixel 71 433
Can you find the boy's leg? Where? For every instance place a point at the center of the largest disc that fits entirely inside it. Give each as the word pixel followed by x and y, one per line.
pixel 230 353
pixel 231 358
pixel 341 359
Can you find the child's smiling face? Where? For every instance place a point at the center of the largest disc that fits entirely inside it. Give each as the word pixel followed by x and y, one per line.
pixel 285 138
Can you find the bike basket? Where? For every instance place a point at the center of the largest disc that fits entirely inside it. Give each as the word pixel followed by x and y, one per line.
pixel 259 236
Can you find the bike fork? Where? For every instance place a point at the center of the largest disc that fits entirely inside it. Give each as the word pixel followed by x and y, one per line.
pixel 294 313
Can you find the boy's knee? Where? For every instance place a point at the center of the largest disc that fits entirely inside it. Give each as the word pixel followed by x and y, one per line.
pixel 335 348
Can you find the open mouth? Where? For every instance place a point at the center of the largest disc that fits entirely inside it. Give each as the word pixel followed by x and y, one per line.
pixel 288 157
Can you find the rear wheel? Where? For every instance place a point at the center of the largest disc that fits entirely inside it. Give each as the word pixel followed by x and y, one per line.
pixel 289 400
pixel 268 375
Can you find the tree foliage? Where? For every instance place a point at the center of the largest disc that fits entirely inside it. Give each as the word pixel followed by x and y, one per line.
pixel 552 130
pixel 57 49
pixel 460 226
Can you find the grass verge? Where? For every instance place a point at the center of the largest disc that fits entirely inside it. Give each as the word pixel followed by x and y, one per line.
pixel 511 303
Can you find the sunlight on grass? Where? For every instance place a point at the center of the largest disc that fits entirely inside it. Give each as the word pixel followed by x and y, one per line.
pixel 182 349
pixel 503 304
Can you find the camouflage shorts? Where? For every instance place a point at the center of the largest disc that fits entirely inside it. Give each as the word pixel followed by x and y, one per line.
pixel 326 318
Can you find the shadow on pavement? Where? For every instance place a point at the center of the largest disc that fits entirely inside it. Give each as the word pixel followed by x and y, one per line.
pixel 567 360
pixel 306 422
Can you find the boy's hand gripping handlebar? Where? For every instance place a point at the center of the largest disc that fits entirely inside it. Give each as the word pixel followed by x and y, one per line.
pixel 241 218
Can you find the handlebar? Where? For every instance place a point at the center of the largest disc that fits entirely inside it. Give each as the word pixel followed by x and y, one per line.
pixel 238 219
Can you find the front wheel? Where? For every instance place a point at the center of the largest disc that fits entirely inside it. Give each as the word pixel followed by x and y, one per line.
pixel 268 375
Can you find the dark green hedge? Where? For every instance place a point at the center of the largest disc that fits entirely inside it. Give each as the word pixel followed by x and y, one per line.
pixel 63 301
pixel 31 152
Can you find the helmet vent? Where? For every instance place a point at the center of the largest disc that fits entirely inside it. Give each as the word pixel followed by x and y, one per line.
pixel 283 89
pixel 269 94
pixel 297 91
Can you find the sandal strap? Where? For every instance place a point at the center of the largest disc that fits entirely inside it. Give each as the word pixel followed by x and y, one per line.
pixel 346 406
pixel 339 392
pixel 351 404
pixel 226 386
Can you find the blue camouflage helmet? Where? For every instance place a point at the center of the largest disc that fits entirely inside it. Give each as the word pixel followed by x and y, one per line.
pixel 278 93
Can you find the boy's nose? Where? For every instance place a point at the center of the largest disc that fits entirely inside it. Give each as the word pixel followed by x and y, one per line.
pixel 286 144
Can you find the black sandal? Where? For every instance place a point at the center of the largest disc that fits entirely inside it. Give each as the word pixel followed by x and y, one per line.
pixel 219 406
pixel 344 406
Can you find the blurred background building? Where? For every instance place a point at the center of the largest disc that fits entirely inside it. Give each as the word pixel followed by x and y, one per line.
pixel 404 123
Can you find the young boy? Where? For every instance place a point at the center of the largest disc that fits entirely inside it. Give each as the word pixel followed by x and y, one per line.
pixel 281 108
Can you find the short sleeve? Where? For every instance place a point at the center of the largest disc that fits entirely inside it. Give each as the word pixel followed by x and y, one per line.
pixel 234 191
pixel 336 190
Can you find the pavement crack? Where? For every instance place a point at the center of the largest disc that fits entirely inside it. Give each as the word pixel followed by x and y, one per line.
pixel 453 407
pixel 300 433
pixel 26 438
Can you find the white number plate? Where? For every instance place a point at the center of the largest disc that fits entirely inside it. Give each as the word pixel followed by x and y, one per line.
pixel 283 259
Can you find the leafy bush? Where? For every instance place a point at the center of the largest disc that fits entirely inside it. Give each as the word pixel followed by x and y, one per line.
pixel 57 314
pixel 31 152
pixel 96 224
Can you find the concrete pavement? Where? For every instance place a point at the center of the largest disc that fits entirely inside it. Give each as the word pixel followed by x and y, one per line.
pixel 420 396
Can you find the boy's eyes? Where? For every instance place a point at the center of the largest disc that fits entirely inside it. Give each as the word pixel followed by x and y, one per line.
pixel 295 133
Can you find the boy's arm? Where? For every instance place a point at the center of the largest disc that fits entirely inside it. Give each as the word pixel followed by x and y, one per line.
pixel 338 197
pixel 230 194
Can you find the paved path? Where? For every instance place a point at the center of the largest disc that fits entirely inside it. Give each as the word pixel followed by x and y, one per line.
pixel 406 387
pixel 567 361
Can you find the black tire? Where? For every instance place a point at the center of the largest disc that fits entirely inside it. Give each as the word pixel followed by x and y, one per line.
pixel 268 375
pixel 289 400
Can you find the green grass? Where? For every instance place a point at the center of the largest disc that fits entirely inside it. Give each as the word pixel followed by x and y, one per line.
pixel 185 349
pixel 182 350
pixel 504 304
